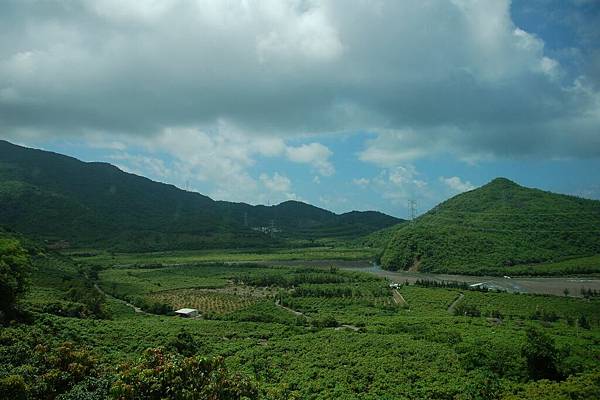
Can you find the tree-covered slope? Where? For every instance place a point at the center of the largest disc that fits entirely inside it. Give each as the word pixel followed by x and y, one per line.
pixel 55 197
pixel 498 225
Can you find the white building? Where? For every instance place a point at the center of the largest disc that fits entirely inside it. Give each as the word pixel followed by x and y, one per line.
pixel 187 312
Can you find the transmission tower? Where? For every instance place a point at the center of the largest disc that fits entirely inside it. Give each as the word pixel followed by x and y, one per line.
pixel 412 209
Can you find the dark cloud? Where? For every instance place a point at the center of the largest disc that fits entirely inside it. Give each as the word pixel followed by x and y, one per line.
pixel 455 76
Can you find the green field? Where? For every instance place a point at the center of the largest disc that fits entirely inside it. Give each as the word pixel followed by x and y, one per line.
pixel 296 332
pixel 328 252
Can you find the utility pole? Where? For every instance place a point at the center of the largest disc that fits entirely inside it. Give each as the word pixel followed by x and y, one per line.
pixel 412 209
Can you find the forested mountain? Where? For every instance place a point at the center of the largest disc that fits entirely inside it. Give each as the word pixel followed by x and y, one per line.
pixel 500 224
pixel 59 198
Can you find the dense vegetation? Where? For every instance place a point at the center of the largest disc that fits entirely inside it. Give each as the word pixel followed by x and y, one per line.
pixel 14 271
pixel 271 332
pixel 499 228
pixel 61 199
pixel 284 321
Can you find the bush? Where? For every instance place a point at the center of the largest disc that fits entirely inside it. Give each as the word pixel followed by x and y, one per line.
pixel 13 387
pixel 184 344
pixel 467 310
pixel 14 274
pixel 541 355
pixel 583 322
pixel 325 322
pixel 170 376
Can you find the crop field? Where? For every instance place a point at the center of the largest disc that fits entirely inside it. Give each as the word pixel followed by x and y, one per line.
pixel 211 301
pixel 329 252
pixel 317 332
pixel 526 306
pixel 571 266
pixel 140 281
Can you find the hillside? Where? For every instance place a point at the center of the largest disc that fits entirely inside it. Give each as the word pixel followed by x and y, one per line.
pixel 498 225
pixel 59 198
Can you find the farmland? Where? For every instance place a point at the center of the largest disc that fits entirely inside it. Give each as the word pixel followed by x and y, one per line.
pixel 324 251
pixel 313 332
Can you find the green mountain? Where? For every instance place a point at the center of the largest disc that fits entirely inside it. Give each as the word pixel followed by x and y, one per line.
pixel 498 225
pixel 59 198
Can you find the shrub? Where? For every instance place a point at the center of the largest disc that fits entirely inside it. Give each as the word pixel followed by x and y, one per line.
pixel 541 355
pixel 160 376
pixel 14 273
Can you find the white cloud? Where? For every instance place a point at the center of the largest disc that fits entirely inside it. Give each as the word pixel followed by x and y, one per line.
pixel 400 184
pixel 314 154
pixel 456 184
pixel 276 183
pixel 307 36
pixel 142 165
pixel 472 84
pixel 362 182
pixel 218 157
pixel 334 203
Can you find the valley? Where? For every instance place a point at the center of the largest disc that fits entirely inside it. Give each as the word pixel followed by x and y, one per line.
pixel 353 306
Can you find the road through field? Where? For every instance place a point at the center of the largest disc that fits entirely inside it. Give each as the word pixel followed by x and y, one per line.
pixel 537 285
pixel 136 309
pixel 554 285
pixel 455 303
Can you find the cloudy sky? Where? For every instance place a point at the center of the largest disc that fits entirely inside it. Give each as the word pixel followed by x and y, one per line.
pixel 344 104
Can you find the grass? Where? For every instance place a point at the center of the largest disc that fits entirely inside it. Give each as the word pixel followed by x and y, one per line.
pixel 211 256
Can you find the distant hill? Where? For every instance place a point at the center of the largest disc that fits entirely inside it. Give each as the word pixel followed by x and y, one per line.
pixel 61 199
pixel 498 225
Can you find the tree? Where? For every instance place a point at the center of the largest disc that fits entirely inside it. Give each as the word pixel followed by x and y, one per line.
pixel 14 271
pixel 184 344
pixel 541 355
pixel 583 322
pixel 160 375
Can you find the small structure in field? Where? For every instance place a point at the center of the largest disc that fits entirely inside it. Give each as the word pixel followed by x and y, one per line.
pixel 187 312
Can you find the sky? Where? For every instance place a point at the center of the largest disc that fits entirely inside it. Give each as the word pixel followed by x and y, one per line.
pixel 344 104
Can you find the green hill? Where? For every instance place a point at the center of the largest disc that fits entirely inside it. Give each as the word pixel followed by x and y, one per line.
pixel 496 227
pixel 59 198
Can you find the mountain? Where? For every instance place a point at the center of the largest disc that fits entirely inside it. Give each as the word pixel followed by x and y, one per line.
pixel 498 225
pixel 61 199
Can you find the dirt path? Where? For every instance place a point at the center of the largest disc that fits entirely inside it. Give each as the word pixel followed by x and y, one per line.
pixel 136 309
pixel 298 313
pixel 346 326
pixel 398 298
pixel 455 303
pixel 278 304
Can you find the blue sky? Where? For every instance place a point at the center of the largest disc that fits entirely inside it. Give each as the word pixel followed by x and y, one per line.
pixel 280 100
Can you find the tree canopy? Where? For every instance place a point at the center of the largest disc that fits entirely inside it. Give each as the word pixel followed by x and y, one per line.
pixel 14 271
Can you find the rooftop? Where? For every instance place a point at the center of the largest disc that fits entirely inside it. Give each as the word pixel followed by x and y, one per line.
pixel 186 310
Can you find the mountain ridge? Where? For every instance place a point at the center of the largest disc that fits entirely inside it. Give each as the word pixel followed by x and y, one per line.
pixel 498 225
pixel 58 197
